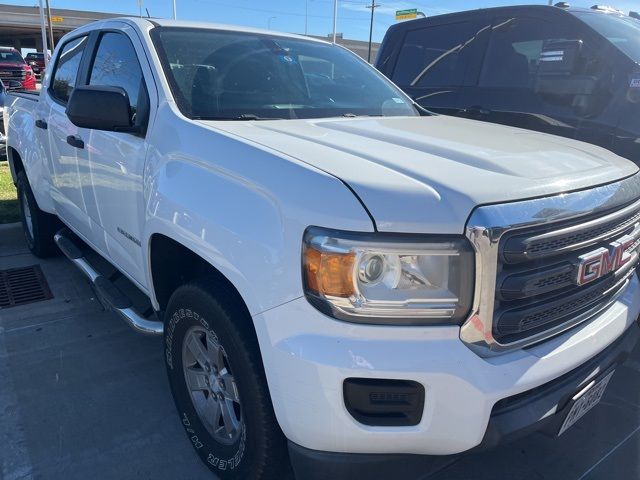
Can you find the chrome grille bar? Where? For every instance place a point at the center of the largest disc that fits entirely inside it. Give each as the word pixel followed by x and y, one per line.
pixel 573 237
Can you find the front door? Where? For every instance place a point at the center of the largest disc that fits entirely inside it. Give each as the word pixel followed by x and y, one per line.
pixel 116 159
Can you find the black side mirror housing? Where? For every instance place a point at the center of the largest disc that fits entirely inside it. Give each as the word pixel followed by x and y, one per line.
pixel 101 108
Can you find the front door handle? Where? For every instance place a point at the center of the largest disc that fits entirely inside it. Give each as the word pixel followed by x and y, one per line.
pixel 41 124
pixel 75 141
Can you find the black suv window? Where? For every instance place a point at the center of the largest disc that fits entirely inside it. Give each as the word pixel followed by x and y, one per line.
pixel 66 69
pixel 432 57
pixel 116 65
pixel 516 49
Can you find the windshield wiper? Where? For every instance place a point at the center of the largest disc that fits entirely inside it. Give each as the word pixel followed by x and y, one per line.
pixel 244 116
pixel 353 115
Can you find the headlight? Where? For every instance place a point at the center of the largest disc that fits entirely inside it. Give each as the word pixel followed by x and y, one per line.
pixel 388 279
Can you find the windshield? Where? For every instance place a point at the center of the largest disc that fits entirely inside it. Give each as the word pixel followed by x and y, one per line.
pixel 623 32
pixel 234 75
pixel 10 57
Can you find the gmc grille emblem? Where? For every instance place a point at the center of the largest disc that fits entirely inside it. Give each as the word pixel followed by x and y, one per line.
pixel 596 264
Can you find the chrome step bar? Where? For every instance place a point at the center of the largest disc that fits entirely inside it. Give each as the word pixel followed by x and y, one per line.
pixel 109 293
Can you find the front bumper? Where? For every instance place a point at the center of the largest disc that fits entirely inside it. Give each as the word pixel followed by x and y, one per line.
pixel 542 409
pixel 307 357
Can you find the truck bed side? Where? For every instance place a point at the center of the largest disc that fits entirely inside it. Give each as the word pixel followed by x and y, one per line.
pixel 27 145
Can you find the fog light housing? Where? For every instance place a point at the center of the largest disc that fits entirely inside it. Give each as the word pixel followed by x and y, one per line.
pixel 384 403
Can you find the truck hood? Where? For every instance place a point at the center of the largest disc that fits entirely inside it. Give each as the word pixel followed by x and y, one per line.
pixel 426 174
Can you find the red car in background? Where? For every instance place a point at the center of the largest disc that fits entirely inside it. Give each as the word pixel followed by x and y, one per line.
pixel 36 61
pixel 14 71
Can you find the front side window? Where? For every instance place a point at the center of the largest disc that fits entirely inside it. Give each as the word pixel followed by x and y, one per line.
pixel 116 65
pixel 228 75
pixel 433 57
pixel 515 52
pixel 623 32
pixel 66 69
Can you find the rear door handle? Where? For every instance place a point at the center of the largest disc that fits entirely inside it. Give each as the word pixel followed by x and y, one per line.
pixel 75 141
pixel 41 124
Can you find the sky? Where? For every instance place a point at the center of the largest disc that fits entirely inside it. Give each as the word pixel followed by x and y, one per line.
pixel 293 15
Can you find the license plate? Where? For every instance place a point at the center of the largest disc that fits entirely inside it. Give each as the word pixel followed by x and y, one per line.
pixel 584 401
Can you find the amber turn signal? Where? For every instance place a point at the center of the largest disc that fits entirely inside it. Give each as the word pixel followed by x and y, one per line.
pixel 329 274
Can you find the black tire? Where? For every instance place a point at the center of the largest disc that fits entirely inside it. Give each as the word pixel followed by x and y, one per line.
pixel 260 451
pixel 39 227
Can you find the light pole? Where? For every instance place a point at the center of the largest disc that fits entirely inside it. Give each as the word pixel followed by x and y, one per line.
pixel 269 22
pixel 335 19
pixel 175 15
pixel 51 45
pixel 373 7
pixel 44 36
pixel 306 16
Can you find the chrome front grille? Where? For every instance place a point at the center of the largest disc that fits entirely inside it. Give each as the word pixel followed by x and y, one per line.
pixel 528 286
pixel 535 294
pixel 13 74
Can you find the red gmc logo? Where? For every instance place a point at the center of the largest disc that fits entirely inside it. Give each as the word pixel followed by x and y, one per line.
pixel 596 264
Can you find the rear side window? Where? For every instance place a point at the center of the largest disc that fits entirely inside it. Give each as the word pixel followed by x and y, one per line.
pixel 66 69
pixel 433 57
pixel 116 65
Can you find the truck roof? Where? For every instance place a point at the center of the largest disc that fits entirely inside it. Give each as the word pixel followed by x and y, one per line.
pixel 507 10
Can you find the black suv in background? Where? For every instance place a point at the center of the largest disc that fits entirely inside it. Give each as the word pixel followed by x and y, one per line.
pixel 566 71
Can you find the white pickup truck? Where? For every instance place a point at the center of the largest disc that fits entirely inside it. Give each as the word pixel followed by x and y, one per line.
pixel 344 282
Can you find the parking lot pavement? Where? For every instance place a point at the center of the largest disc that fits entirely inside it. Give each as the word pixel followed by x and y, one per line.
pixel 82 396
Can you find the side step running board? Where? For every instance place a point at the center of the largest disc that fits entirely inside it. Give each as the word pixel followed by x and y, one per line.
pixel 116 300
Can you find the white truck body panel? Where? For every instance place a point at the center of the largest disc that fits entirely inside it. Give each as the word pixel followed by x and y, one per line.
pixel 241 195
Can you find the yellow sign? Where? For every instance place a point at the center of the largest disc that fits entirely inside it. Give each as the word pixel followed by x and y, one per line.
pixel 57 19
pixel 407 14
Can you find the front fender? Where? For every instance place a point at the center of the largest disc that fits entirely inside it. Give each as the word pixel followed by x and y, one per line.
pixel 244 212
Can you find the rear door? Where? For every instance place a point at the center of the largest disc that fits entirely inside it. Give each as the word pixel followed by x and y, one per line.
pixel 115 202
pixel 435 61
pixel 511 89
pixel 67 193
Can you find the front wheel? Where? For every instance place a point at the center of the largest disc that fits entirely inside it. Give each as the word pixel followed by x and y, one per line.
pixel 219 387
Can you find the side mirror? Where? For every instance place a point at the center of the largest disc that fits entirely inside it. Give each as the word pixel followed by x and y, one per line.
pixel 101 108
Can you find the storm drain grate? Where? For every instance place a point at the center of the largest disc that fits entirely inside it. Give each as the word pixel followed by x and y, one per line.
pixel 19 286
